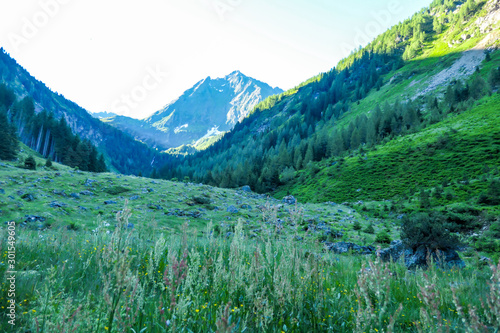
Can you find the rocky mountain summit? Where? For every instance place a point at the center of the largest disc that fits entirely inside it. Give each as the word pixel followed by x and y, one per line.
pixel 208 109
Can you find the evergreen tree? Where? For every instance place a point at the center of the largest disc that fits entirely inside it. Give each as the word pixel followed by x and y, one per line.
pixel 30 163
pixel 8 138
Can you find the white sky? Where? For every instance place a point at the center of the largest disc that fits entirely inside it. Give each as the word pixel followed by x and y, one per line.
pixel 100 54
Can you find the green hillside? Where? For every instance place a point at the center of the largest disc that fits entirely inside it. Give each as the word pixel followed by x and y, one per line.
pixel 437 64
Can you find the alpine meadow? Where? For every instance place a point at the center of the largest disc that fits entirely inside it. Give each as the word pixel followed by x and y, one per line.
pixel 364 199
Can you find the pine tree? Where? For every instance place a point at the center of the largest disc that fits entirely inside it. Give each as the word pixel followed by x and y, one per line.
pixel 30 163
pixel 8 139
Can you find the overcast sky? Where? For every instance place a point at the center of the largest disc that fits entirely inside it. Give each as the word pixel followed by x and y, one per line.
pixel 133 57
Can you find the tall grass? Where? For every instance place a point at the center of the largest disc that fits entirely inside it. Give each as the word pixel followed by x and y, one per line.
pixel 139 281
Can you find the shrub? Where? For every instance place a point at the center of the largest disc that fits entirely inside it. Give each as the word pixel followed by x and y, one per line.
pixel 115 190
pixel 73 226
pixel 488 245
pixel 383 237
pixel 30 163
pixel 201 200
pixel 429 230
pixel 495 229
pixel 48 163
pixel 357 225
pixel 369 229
pixel 492 196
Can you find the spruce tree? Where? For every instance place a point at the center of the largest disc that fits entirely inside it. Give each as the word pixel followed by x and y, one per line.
pixel 8 138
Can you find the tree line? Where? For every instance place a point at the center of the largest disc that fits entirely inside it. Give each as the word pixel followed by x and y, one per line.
pixel 44 134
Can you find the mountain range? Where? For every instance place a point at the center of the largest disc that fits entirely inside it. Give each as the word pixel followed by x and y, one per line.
pixel 203 112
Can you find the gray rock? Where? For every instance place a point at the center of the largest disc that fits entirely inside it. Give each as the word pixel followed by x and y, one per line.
pixel 246 188
pixel 231 209
pixel 393 252
pixel 2 191
pixel 61 193
pixel 290 200
pixel 110 202
pixel 195 214
pixel 89 182
pixel 75 195
pixel 28 197
pixel 246 207
pixel 344 247
pixel 55 204
pixel 87 193
pixel 445 259
pixel 135 197
pixel 34 218
pixel 130 226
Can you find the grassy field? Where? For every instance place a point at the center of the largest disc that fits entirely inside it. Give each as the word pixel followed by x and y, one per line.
pixel 141 280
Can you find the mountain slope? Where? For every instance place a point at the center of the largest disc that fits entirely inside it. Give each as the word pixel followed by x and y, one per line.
pixel 419 73
pixel 116 145
pixel 210 107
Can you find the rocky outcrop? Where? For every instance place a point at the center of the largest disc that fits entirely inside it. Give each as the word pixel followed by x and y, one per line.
pixel 344 247
pixel 289 200
pixel 419 257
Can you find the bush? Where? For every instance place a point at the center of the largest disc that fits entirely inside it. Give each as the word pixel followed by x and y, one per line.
pixel 429 230
pixel 369 229
pixel 30 163
pixel 495 229
pixel 383 237
pixel 356 226
pixel 73 226
pixel 201 200
pixel 48 163
pixel 115 190
pixel 492 196
pixel 488 245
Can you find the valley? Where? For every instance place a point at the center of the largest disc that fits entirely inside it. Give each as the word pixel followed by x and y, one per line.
pixel 364 199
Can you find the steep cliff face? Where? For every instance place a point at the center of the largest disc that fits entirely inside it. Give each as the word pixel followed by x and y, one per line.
pixel 210 107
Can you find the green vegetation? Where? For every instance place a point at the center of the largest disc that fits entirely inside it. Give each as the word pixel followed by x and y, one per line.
pixel 64 129
pixel 289 138
pixel 140 279
pixel 42 133
pixel 430 231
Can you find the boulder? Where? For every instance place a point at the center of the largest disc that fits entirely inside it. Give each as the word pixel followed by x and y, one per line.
pixel 246 188
pixel 393 252
pixel 87 193
pixel 75 195
pixel 344 247
pixel 231 209
pixel 34 218
pixel 289 200
pixel 417 258
pixel 89 182
pixel 28 197
pixel 110 202
pixel 55 204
